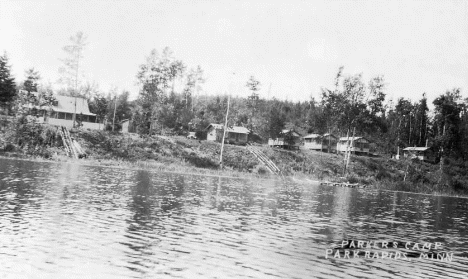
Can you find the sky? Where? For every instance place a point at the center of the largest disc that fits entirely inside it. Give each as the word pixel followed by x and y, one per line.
pixel 294 48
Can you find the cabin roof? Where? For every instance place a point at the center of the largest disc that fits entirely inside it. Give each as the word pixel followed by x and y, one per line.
pixel 286 131
pixel 67 104
pixel 353 138
pixel 314 136
pixel 238 130
pixel 331 135
pixel 214 125
pixel 416 148
pixel 233 129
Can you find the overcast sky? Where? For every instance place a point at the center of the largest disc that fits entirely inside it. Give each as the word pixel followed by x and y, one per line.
pixel 296 47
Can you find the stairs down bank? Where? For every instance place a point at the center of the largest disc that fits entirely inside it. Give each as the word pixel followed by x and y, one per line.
pixel 263 159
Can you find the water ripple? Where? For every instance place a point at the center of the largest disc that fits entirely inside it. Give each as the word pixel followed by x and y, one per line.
pixel 66 220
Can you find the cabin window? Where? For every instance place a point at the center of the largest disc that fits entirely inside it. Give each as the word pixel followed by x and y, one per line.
pixel 68 116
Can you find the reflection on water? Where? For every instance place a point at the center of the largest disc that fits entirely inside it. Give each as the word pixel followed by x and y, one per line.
pixel 66 220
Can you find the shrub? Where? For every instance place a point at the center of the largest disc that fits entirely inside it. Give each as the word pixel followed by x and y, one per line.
pixel 260 169
pixel 9 148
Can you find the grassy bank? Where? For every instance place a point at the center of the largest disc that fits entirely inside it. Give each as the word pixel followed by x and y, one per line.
pixel 178 154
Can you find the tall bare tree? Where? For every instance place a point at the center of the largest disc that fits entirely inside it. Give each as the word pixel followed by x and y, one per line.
pixel 70 71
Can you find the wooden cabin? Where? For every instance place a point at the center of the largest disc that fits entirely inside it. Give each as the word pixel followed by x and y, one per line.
pixel 68 108
pixel 287 139
pixel 234 134
pixel 422 153
pixel 357 145
pixel 65 111
pixel 326 142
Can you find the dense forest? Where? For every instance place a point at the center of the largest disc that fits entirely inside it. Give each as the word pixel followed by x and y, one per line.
pixel 168 103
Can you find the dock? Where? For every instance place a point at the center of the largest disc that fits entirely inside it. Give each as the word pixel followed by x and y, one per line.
pixel 342 184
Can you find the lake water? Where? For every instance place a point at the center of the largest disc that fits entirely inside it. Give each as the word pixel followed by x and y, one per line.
pixel 71 221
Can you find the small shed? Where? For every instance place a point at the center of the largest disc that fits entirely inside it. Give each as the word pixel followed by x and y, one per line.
pixel 127 126
pixel 288 139
pixel 326 142
pixel 422 153
pixel 357 145
pixel 214 132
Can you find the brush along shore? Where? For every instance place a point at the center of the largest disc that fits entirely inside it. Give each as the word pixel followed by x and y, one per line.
pixel 179 154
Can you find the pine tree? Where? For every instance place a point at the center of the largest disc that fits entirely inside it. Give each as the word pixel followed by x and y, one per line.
pixel 31 82
pixel 7 83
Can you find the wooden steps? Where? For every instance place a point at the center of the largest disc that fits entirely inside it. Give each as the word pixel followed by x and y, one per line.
pixel 263 159
pixel 72 147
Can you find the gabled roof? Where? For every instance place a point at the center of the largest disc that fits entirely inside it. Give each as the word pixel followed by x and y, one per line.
pixel 416 148
pixel 238 130
pixel 353 139
pixel 233 129
pixel 331 135
pixel 67 104
pixel 216 126
pixel 314 136
pixel 286 131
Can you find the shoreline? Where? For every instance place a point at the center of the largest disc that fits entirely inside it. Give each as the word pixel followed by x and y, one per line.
pixel 135 166
pixel 177 154
pixel 127 165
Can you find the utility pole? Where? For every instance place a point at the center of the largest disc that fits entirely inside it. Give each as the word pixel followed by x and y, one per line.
pixel 352 144
pixel 346 152
pixel 76 83
pixel 74 114
pixel 115 108
pixel 224 130
pixel 224 134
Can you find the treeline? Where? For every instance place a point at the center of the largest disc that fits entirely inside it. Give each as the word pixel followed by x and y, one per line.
pixel 168 103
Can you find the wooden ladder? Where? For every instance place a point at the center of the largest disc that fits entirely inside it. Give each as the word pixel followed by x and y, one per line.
pixel 68 143
pixel 263 159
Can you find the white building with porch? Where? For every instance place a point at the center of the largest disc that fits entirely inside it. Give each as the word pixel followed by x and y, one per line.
pixel 357 145
pixel 68 110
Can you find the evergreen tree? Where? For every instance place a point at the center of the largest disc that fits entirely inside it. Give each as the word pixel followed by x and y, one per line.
pixel 31 82
pixel 7 83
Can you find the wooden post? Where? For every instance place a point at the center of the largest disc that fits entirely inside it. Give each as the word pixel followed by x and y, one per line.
pixel 115 108
pixel 352 143
pixel 224 134
pixel 74 114
pixel 321 147
pixel 346 152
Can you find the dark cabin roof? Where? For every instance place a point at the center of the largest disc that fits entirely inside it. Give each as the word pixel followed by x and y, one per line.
pixel 314 136
pixel 286 131
pixel 353 139
pixel 416 148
